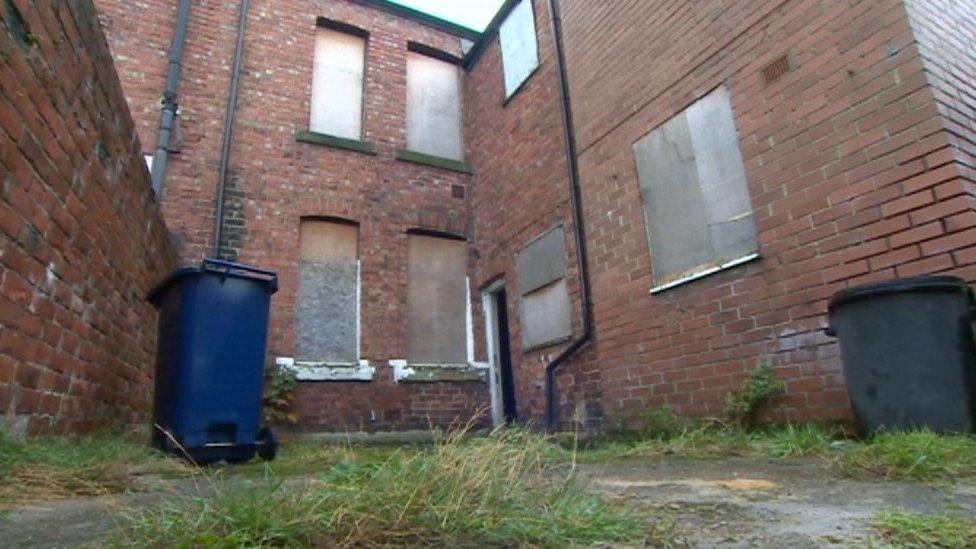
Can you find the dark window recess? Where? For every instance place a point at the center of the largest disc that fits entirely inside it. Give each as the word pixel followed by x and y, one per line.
pixel 457 191
pixel 775 70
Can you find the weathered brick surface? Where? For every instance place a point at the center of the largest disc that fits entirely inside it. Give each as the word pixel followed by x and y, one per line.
pixel 275 180
pixel 521 189
pixel 81 236
pixel 857 163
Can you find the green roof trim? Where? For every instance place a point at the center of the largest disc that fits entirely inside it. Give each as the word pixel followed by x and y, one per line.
pixel 423 18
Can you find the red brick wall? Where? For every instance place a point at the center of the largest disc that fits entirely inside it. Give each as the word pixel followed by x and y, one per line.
pixel 140 35
pixel 945 34
pixel 853 166
pixel 275 180
pixel 81 236
pixel 521 189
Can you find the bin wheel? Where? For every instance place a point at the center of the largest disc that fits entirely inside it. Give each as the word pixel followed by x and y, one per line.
pixel 267 443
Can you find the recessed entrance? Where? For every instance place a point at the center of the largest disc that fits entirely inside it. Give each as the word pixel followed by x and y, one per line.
pixel 503 405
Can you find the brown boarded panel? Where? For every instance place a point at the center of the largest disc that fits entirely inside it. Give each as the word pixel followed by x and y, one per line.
pixel 436 294
pixel 328 241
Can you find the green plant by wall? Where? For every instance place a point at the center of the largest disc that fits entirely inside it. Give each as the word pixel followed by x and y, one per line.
pixel 652 422
pixel 279 389
pixel 743 406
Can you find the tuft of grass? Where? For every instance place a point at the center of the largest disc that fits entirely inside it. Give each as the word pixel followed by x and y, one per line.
pixel 915 455
pixel 59 467
pixel 496 490
pixel 793 440
pixel 901 528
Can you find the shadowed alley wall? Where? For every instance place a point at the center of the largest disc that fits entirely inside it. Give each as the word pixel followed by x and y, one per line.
pixel 81 235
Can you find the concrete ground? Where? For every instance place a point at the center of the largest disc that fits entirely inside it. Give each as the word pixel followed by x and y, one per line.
pixel 729 502
pixel 754 502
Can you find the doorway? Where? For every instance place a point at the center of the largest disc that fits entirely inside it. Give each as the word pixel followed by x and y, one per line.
pixel 503 404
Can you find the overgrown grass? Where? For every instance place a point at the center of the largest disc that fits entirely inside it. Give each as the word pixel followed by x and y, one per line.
pixel 915 455
pixel 496 490
pixel 803 439
pixel 918 455
pixel 901 528
pixel 60 467
pixel 303 457
pixel 711 441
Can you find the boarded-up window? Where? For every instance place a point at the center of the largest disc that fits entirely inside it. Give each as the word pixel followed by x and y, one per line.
pixel 520 51
pixel 337 84
pixel 328 293
pixel 542 286
pixel 436 300
pixel 433 107
pixel 693 187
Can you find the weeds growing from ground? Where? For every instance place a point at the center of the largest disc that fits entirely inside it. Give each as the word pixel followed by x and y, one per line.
pixel 495 490
pixel 742 407
pixel 900 528
pixel 60 467
pixel 803 439
pixel 917 455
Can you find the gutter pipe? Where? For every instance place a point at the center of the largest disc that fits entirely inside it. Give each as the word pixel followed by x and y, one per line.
pixel 579 233
pixel 170 107
pixel 229 126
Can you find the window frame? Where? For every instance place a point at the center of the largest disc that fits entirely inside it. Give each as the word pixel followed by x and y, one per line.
pixel 319 370
pixel 506 95
pixel 413 154
pixel 332 139
pixel 468 316
pixel 713 265
pixel 545 284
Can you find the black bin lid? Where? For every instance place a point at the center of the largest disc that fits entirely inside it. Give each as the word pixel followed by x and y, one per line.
pixel 871 290
pixel 219 266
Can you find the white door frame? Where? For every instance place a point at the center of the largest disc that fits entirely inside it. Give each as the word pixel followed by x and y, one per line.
pixel 491 337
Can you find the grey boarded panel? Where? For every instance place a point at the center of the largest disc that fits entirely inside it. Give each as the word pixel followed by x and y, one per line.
pixel 722 176
pixel 545 315
pixel 674 210
pixel 520 50
pixel 542 261
pixel 436 300
pixel 433 107
pixel 327 312
pixel 337 84
pixel 734 239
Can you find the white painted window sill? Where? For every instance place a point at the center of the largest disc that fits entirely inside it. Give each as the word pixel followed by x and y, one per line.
pixel 325 371
pixel 691 277
pixel 415 372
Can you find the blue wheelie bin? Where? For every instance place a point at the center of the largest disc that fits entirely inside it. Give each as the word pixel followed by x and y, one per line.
pixel 213 324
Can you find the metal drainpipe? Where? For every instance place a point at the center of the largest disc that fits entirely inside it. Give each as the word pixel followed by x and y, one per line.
pixel 579 234
pixel 229 126
pixel 170 106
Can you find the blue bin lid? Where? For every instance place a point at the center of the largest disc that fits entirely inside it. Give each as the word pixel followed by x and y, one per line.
pixel 218 266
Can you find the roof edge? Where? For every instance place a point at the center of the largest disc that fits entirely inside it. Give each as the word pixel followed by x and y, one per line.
pixel 423 18
pixel 488 34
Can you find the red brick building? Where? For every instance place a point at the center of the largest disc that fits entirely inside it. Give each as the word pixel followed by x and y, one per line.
pixel 446 242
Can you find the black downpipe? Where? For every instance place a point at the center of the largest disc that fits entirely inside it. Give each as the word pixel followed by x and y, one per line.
pixel 229 126
pixel 579 234
pixel 170 106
